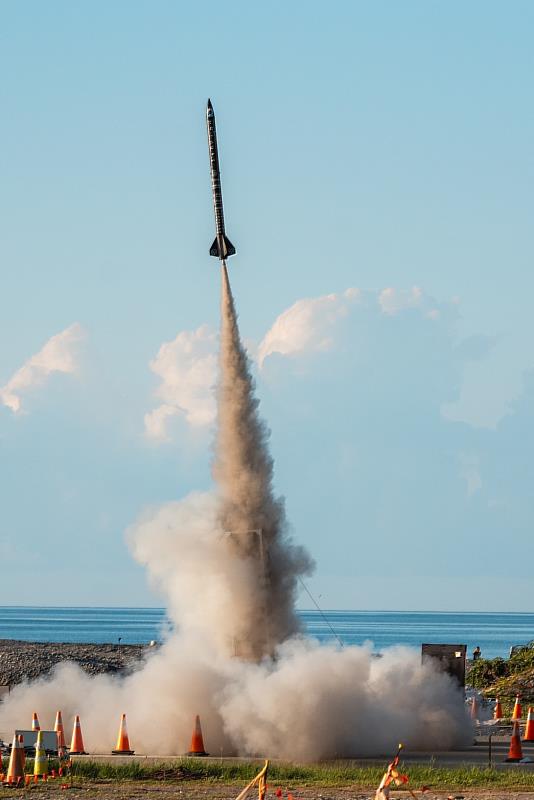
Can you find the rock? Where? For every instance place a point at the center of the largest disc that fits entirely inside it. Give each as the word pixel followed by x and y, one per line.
pixel 20 661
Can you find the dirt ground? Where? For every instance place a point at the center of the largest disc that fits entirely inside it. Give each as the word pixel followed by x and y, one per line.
pixel 167 790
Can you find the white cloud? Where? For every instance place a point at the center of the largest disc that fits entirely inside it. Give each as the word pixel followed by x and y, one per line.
pixel 307 325
pixel 394 300
pixel 187 367
pixel 156 421
pixel 59 354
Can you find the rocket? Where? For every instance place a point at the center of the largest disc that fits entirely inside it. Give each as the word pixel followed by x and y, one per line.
pixel 222 247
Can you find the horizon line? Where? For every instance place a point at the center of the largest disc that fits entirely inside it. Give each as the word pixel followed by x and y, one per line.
pixel 301 610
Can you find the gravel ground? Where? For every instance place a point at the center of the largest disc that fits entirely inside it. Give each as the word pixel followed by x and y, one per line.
pixel 21 661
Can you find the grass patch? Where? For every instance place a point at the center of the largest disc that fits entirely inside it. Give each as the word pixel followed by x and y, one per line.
pixel 331 774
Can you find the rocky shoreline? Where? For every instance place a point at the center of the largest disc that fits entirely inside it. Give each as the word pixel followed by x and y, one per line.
pixel 21 661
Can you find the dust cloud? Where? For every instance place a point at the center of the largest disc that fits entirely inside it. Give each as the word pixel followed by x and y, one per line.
pixel 229 572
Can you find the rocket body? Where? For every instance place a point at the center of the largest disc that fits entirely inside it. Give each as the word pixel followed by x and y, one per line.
pixel 222 247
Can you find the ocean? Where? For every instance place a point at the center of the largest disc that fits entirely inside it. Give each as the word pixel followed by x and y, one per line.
pixel 494 632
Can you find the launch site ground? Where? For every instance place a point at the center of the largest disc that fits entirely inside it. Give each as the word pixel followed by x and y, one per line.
pixel 447 778
pixel 172 790
pixel 169 791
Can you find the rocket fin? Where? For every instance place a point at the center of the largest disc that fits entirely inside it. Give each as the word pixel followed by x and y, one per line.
pixel 230 249
pixel 215 250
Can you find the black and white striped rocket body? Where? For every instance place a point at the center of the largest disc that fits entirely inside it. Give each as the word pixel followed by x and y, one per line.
pixel 222 247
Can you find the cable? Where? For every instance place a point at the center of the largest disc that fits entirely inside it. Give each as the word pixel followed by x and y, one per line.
pixel 319 610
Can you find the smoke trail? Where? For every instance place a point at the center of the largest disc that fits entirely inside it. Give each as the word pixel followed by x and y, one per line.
pixel 253 519
pixel 227 595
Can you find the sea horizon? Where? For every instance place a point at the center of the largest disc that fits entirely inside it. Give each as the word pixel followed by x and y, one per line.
pixel 494 632
pixel 299 609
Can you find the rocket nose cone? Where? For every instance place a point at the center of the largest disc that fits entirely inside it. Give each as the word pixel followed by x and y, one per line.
pixel 209 107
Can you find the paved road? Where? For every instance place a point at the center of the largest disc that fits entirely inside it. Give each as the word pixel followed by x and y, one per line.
pixel 476 755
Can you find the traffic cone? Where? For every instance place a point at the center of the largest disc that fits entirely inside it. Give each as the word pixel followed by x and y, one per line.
pixel 515 752
pixel 40 762
pixel 196 747
pixel 15 771
pixel 123 742
pixel 517 713
pixel 35 722
pixel 528 736
pixel 497 711
pixel 60 731
pixel 21 740
pixel 76 745
pixel 474 708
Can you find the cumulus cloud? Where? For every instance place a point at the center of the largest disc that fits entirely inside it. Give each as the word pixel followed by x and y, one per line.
pixel 394 300
pixel 156 421
pixel 187 365
pixel 307 325
pixel 59 354
pixel 187 368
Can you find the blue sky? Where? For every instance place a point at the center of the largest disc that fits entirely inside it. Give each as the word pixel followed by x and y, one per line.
pixel 381 148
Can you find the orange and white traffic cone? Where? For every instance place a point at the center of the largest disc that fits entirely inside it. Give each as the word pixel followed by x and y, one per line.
pixel 60 732
pixel 21 740
pixel 15 771
pixel 517 713
pixel 497 711
pixel 515 752
pixel 35 722
pixel 197 742
pixel 474 708
pixel 123 742
pixel 528 736
pixel 76 745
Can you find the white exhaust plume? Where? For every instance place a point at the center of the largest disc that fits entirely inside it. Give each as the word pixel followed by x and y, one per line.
pixel 252 518
pixel 231 591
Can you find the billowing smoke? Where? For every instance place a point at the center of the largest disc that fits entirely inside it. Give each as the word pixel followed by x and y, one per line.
pixel 229 572
pixel 252 518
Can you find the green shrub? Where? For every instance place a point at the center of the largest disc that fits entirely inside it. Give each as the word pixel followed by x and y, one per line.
pixel 485 672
